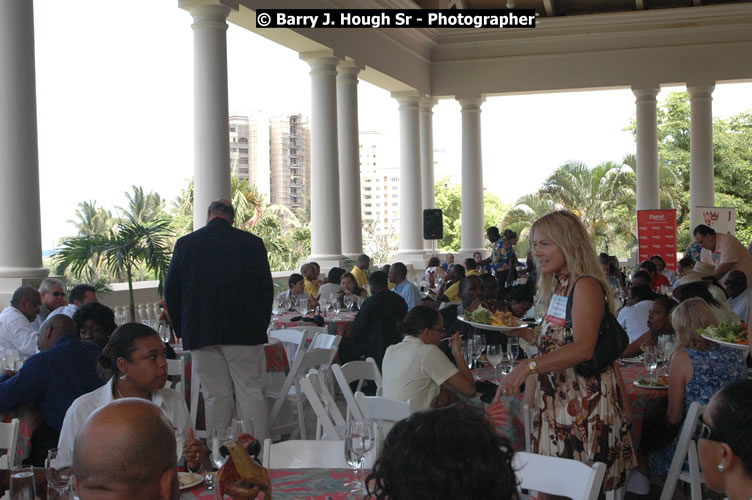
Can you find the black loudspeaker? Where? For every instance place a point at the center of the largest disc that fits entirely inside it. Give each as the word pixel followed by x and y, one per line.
pixel 433 224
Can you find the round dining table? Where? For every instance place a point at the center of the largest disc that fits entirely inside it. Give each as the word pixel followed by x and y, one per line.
pixel 337 324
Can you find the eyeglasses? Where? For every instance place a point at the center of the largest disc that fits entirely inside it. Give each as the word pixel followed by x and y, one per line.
pixel 58 294
pixel 703 431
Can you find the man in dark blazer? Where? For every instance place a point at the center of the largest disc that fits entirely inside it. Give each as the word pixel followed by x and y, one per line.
pixel 219 294
pixel 375 327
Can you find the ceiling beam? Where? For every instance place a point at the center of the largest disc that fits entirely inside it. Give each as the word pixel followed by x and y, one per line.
pixel 550 7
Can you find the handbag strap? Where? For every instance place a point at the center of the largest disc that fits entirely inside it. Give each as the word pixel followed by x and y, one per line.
pixel 570 299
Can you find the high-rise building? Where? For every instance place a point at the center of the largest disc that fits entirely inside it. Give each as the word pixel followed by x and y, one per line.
pixel 249 151
pixel 379 183
pixel 290 161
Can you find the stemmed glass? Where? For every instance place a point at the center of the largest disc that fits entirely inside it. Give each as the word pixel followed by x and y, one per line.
pixel 513 348
pixel 277 308
pixel 669 347
pixel 479 343
pixel 59 473
pixel 467 350
pixel 650 359
pixel 358 442
pixel 348 300
pixel 337 307
pixel 179 442
pixel 495 355
pixel 293 302
pixel 219 437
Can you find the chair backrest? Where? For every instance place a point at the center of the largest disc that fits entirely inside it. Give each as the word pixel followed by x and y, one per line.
pixel 682 449
pixel 559 476
pixel 295 341
pixel 384 412
pixel 527 420
pixel 325 341
pixel 329 420
pixel 176 368
pixel 359 371
pixel 8 441
pixel 296 454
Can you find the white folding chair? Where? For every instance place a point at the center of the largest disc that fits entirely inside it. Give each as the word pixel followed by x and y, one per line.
pixel 325 341
pixel 312 358
pixel 686 448
pixel 304 455
pixel 382 411
pixel 329 420
pixel 359 371
pixel 8 441
pixel 176 368
pixel 558 476
pixel 295 341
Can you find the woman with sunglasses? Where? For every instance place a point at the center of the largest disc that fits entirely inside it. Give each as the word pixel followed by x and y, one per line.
pixel 724 441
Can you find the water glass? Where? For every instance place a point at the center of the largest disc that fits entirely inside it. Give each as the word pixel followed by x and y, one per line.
pixel 59 473
pixel 179 442
pixel 219 436
pixel 650 358
pixel 358 442
pixel 494 355
pixel 240 426
pixel 513 348
pixel 479 343
pixel 348 301
pixel 22 485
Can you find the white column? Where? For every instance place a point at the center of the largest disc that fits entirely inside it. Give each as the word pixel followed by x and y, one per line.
pixel 426 158
pixel 211 162
pixel 648 194
pixel 411 217
pixel 326 241
pixel 472 180
pixel 349 159
pixel 20 227
pixel 701 180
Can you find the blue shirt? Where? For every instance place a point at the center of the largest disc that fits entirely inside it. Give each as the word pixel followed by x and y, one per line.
pixel 409 292
pixel 53 379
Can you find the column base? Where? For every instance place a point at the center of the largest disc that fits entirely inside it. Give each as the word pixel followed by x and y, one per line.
pixel 328 261
pixel 415 258
pixel 465 253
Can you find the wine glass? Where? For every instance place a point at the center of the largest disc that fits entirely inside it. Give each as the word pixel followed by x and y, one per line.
pixel 650 359
pixel 164 332
pixel 479 343
pixel 494 355
pixel 669 347
pixel 337 307
pixel 513 348
pixel 179 442
pixel 59 471
pixel 293 302
pixel 219 436
pixel 467 350
pixel 348 300
pixel 277 308
pixel 358 442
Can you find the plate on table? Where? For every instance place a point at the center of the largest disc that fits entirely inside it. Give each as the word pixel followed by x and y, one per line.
pixel 495 328
pixel 637 360
pixel 741 347
pixel 188 480
pixel 646 383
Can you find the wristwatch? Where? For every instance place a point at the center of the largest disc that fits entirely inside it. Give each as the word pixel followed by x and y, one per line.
pixel 533 366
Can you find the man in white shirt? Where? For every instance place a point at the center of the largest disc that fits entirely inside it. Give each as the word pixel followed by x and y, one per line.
pixel 402 287
pixel 79 295
pixel 738 294
pixel 16 331
pixel 634 316
pixel 52 291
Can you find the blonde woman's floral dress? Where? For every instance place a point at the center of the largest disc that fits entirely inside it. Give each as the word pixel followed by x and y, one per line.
pixel 581 418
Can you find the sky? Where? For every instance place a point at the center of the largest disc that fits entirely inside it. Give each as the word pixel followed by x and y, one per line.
pixel 115 108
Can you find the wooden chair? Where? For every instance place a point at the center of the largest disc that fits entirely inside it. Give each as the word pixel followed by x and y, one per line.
pixel 359 371
pixel 559 476
pixel 8 441
pixel 329 421
pixel 304 455
pixel 686 449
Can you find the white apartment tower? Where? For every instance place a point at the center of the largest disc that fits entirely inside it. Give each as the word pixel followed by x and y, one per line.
pixel 290 161
pixel 379 183
pixel 249 152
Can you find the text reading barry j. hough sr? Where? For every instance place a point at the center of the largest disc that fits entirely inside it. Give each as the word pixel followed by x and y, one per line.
pixel 392 18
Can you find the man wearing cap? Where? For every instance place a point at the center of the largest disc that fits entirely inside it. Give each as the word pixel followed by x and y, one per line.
pixel 733 255
pixel 703 272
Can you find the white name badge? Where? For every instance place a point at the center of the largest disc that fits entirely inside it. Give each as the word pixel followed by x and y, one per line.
pixel 557 310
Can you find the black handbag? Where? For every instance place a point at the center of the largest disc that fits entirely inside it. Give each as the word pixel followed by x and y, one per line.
pixel 612 341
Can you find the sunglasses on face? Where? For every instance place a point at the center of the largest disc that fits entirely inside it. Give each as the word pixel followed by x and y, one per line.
pixel 58 294
pixel 703 431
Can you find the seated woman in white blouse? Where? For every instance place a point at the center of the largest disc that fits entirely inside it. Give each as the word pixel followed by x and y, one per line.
pixel 135 354
pixel 416 368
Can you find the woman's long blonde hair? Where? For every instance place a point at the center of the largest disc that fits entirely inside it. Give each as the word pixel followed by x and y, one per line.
pixel 687 317
pixel 568 233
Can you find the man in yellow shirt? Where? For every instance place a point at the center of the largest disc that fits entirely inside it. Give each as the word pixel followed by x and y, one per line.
pixel 359 270
pixel 470 267
pixel 309 270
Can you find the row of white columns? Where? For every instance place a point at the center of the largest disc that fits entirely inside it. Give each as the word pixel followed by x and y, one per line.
pixel 701 192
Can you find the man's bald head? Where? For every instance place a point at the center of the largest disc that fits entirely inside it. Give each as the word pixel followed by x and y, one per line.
pixel 126 450
pixel 53 329
pixel 221 209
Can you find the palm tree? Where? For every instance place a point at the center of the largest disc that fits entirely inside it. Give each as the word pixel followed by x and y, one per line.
pixel 91 220
pixel 132 245
pixel 142 207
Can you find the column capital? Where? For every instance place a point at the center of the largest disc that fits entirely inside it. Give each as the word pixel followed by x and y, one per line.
pixel 348 71
pixel 471 104
pixel 645 93
pixel 427 104
pixel 407 100
pixel 209 9
pixel 701 91
pixel 320 58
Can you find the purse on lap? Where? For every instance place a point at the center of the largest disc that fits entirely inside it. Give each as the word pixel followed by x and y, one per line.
pixel 612 341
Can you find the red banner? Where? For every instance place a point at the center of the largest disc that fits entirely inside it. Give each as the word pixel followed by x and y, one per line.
pixel 656 232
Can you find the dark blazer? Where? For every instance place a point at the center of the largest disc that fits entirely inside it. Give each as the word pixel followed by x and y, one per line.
pixel 374 328
pixel 219 288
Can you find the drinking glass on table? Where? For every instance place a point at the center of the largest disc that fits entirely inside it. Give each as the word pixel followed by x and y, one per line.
pixel 337 307
pixel 513 348
pixel 358 442
pixel 22 485
pixel 293 302
pixel 277 308
pixel 650 358
pixel 669 347
pixel 219 436
pixel 467 351
pixel 179 442
pixel 240 426
pixel 495 355
pixel 59 472
pixel 348 301
pixel 479 343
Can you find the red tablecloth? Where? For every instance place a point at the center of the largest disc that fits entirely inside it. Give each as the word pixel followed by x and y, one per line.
pixel 28 420
pixel 340 324
pixel 642 400
pixel 310 484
